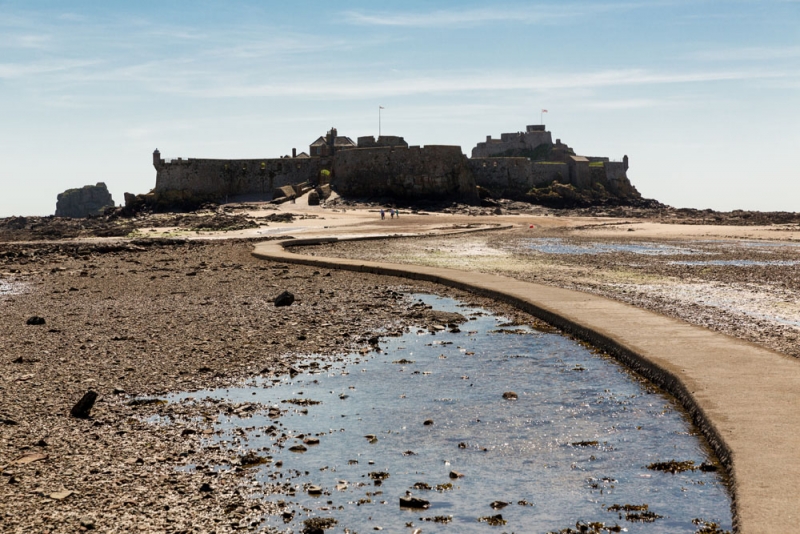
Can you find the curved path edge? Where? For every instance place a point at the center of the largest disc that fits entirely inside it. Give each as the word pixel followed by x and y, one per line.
pixel 745 399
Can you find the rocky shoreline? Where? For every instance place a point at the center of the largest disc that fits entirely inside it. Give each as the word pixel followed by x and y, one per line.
pixel 134 322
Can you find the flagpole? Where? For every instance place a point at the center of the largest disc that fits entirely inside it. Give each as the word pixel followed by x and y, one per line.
pixel 379 120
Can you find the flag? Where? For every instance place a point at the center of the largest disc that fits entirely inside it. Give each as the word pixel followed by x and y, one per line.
pixel 381 107
pixel 544 111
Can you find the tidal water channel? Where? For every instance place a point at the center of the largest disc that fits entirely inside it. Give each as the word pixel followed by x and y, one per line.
pixel 426 416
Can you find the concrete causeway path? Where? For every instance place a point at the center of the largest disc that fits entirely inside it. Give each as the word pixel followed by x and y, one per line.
pixel 744 398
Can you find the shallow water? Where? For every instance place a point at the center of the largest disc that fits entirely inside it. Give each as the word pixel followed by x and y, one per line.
pixel 738 263
pixel 554 245
pixel 11 288
pixel 523 450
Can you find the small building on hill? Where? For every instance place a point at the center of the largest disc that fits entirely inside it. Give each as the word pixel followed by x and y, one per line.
pixel 328 145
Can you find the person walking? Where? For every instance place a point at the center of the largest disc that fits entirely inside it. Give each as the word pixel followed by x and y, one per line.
pixel 383 215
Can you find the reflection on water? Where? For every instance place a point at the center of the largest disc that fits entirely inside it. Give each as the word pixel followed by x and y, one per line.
pixel 430 407
pixel 11 288
pixel 738 263
pixel 554 245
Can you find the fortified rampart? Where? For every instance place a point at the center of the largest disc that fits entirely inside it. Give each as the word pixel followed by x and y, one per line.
pixel 218 179
pixel 407 173
pixel 510 176
pixel 518 165
pixel 533 136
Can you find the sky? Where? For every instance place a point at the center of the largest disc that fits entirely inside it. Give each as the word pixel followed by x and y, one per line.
pixel 703 96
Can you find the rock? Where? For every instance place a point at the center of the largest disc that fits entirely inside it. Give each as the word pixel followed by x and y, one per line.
pixel 313 198
pixel 29 458
pixel 83 202
pixel 414 502
pixel 284 299
pixel 314 490
pixel 510 395
pixel 427 422
pixel 206 488
pixel 498 505
pixel 284 193
pixel 311 441
pixel 35 320
pixel 87 523
pixel 252 458
pixel 324 191
pixel 84 406
pixel 456 474
pixel 298 448
pixel 61 495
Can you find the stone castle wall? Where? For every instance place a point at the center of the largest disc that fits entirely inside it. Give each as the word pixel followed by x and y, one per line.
pixel 216 178
pixel 408 173
pixel 500 175
pixel 512 141
pixel 388 167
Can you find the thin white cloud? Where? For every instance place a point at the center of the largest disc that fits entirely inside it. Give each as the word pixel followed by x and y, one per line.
pixel 72 17
pixel 522 14
pixel 453 83
pixel 630 103
pixel 30 41
pixel 753 53
pixel 9 71
pixel 449 18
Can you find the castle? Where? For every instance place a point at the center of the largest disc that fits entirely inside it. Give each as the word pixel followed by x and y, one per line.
pixel 508 167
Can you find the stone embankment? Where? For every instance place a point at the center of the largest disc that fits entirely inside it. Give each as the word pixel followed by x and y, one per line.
pixel 742 397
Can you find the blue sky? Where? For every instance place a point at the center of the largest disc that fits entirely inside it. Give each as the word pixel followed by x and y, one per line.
pixel 703 96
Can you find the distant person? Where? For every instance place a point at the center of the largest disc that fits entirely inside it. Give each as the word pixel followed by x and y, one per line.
pixel 397 213
pixel 391 213
pixel 383 215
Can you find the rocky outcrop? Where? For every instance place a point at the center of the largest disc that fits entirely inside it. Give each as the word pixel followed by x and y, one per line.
pixel 83 202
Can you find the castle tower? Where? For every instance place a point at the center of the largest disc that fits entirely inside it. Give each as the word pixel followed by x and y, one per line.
pixel 157 161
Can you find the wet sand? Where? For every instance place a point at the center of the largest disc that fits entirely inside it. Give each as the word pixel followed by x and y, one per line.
pixel 748 288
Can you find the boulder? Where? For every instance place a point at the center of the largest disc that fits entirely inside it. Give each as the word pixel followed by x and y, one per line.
pixel 313 198
pixel 414 502
pixel 324 191
pixel 284 299
pixel 286 192
pixel 83 202
pixel 84 406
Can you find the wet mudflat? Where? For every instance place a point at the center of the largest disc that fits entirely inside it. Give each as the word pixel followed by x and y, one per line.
pixel 473 426
pixel 744 288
